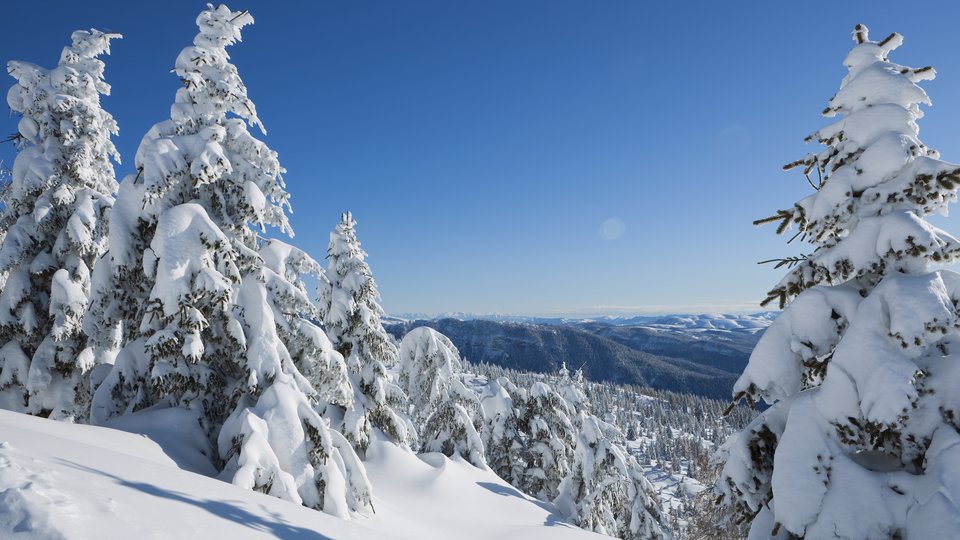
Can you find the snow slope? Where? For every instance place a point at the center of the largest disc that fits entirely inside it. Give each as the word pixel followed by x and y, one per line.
pixel 66 481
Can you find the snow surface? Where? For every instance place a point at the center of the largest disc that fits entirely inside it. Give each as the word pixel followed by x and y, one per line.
pixel 67 481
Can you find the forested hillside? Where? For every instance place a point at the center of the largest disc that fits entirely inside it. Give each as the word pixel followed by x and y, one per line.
pixel 685 360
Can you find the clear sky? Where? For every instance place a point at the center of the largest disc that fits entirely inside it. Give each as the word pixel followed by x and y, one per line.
pixel 536 156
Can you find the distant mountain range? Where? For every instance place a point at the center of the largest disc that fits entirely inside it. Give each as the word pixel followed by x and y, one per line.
pixel 703 320
pixel 699 354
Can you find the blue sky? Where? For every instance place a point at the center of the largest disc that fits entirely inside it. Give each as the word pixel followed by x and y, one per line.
pixel 538 157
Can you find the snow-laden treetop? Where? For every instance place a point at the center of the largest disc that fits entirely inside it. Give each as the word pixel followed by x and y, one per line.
pixel 212 86
pixel 63 104
pixel 206 142
pixel 874 180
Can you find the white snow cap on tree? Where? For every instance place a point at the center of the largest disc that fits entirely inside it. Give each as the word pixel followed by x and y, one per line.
pixel 861 367
pixel 214 315
pixel 54 228
pixel 350 308
pixel 445 410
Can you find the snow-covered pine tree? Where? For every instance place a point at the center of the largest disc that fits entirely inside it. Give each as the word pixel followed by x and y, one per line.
pixel 275 440
pixel 861 370
pixel 502 442
pixel 349 303
pixel 54 228
pixel 547 421
pixel 573 388
pixel 444 409
pixel 606 490
pixel 213 317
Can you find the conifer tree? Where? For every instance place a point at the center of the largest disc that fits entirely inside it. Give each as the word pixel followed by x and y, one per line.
pixel 54 225
pixel 212 316
pixel 349 303
pixel 501 436
pixel 861 368
pixel 606 490
pixel 444 409
pixel 551 436
pixel 574 391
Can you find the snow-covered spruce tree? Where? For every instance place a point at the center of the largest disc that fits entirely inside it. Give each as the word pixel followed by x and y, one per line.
pixel 349 303
pixel 545 442
pixel 546 421
pixel 528 435
pixel 502 443
pixel 862 368
pixel 211 316
pixel 54 223
pixel 444 409
pixel 573 388
pixel 606 490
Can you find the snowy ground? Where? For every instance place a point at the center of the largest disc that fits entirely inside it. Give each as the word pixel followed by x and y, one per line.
pixel 64 481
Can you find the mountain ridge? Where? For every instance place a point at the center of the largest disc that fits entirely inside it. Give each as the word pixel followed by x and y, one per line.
pixel 698 354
